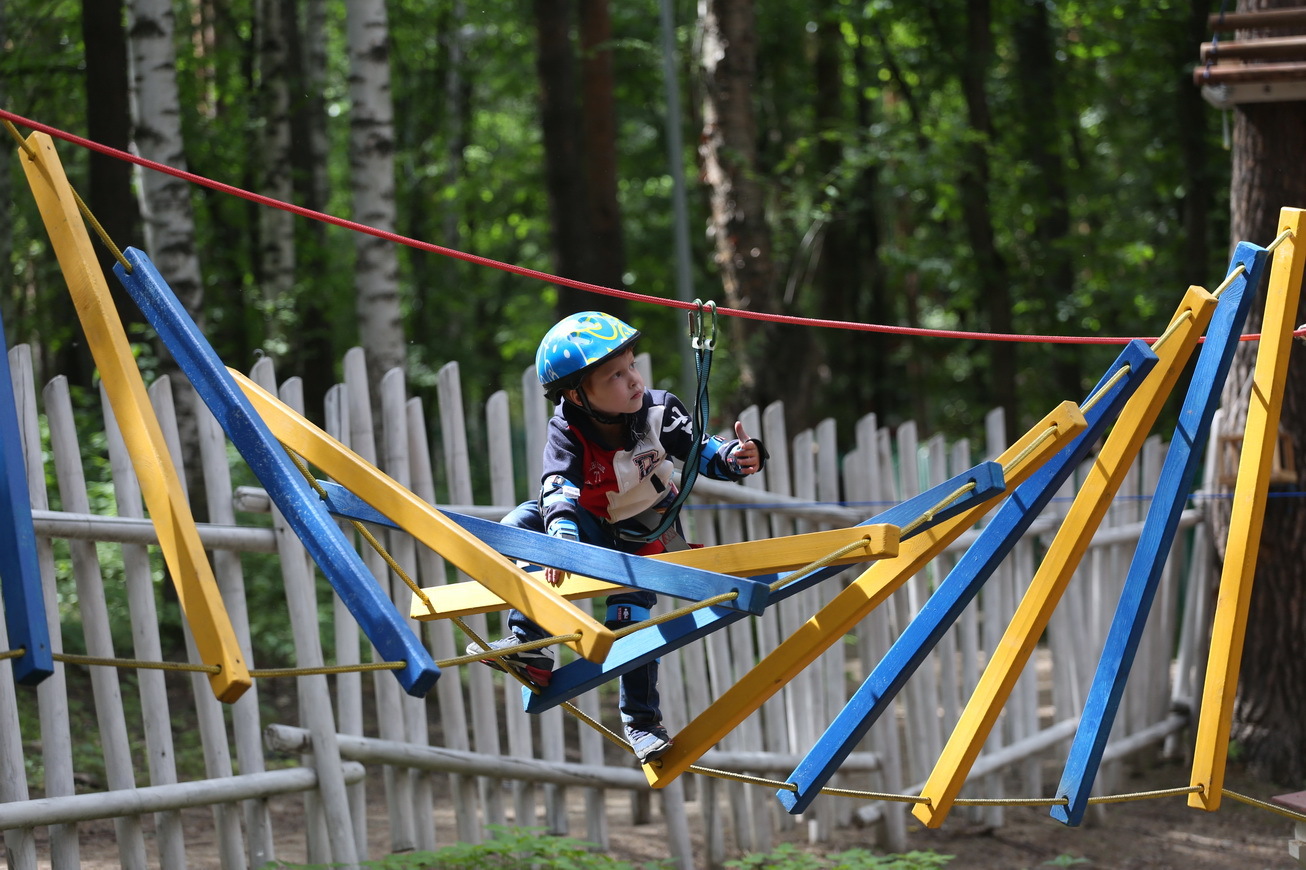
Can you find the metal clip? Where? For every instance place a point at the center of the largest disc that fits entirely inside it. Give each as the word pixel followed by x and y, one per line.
pixel 700 339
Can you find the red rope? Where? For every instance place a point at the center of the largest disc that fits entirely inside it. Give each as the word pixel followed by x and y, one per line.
pixel 556 279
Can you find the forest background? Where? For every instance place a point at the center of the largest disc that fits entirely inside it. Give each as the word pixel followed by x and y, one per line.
pixel 1007 166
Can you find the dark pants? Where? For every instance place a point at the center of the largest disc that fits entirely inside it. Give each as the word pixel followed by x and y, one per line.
pixel 639 686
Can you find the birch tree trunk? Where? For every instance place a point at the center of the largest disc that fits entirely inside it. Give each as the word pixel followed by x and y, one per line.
pixel 372 176
pixel 276 226
pixel 165 199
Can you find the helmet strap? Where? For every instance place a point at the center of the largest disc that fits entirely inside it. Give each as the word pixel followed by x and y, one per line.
pixel 589 409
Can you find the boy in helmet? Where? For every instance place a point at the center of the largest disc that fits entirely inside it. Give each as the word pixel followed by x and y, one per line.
pixel 607 480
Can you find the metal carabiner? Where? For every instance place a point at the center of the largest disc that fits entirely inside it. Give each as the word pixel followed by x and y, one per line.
pixel 698 339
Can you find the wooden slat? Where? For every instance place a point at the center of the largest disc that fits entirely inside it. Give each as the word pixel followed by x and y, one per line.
pixel 329 827
pixel 1169 497
pixel 1248 515
pixel 428 525
pixel 1266 19
pixel 862 596
pixel 52 694
pixel 187 563
pixel 1249 73
pixel 147 645
pixel 87 571
pixel 1270 48
pixel 648 643
pixel 1059 563
pixel 20 581
pixel 1000 535
pixel 742 560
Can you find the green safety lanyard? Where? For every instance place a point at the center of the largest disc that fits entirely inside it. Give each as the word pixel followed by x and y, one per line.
pixel 703 341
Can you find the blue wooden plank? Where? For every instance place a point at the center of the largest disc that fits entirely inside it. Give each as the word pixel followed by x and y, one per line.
pixel 20 575
pixel 587 560
pixel 649 643
pixel 340 563
pixel 1154 543
pixel 1010 522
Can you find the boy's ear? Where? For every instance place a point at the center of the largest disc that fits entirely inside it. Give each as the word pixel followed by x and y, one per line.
pixel 572 396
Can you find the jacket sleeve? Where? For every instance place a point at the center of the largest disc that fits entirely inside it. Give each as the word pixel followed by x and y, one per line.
pixel 715 461
pixel 559 490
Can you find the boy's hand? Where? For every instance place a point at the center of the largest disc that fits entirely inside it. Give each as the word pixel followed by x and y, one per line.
pixel 554 576
pixel 746 456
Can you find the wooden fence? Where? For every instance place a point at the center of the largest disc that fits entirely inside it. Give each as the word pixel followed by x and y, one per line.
pixel 467 756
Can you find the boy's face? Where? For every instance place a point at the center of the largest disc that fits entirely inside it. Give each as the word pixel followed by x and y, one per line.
pixel 615 387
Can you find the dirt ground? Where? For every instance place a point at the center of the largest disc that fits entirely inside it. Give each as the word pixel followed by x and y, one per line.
pixel 1153 834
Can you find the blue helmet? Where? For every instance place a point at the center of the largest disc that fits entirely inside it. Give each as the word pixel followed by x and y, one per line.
pixel 576 344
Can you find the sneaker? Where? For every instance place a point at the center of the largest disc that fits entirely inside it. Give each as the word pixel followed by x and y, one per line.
pixel 650 742
pixel 536 664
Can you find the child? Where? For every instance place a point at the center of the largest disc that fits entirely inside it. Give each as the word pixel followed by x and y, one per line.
pixel 607 481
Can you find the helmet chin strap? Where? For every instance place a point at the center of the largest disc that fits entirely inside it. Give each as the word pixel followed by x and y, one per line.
pixel 589 409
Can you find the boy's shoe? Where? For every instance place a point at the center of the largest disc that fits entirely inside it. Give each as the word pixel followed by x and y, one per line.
pixel 537 664
pixel 650 742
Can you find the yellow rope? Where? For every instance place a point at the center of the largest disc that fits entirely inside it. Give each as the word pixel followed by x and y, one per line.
pixel 1229 279
pixel 96 661
pixel 13 653
pixel 1106 388
pixel 1279 240
pixel 269 673
pixel 609 734
pixel 1170 330
pixel 1049 432
pixel 259 673
pixel 822 562
pixel 1265 805
pixel 1144 795
pixel 81 206
pixel 929 514
pixel 18 137
pixel 362 530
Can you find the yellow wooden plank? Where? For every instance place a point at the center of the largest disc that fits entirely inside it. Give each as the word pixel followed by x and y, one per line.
pixel 746 559
pixel 848 608
pixel 197 590
pixel 1062 558
pixel 538 602
pixel 1283 293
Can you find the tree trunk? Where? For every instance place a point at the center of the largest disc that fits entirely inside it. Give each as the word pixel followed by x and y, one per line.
pixel 599 135
pixel 1043 135
pixel 1270 716
pixel 371 150
pixel 738 227
pixel 276 227
pixel 109 194
pixel 166 204
pixel 994 286
pixel 313 355
pixel 564 173
pixel 850 279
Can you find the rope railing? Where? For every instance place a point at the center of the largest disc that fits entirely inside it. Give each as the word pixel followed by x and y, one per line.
pixel 11 118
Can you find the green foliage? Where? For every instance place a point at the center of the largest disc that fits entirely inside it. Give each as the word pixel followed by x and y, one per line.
pixel 788 856
pixel 507 849
pixel 1065 861
pixel 1094 172
pixel 530 849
